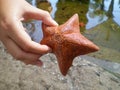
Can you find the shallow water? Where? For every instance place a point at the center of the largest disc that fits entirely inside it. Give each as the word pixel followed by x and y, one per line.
pixel 101 19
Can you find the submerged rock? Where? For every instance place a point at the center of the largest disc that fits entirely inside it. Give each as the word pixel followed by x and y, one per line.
pixel 83 75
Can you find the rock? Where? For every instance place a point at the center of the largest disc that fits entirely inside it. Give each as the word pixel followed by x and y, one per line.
pixel 83 75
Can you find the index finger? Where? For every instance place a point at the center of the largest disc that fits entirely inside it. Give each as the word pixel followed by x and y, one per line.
pixel 39 14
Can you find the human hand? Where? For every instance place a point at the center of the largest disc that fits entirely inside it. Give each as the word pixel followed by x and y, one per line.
pixel 12 32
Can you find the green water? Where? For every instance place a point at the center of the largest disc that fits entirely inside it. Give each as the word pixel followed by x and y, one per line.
pixel 102 23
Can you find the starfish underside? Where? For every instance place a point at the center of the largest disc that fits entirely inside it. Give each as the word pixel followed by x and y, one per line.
pixel 67 42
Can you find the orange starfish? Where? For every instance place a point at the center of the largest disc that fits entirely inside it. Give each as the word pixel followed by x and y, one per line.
pixel 67 42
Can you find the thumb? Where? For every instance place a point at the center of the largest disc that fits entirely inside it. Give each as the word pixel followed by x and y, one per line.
pixel 39 14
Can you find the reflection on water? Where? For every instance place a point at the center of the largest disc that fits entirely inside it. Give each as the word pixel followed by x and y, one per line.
pixel 34 26
pixel 54 7
pixel 33 2
pixel 34 30
pixel 116 11
pixel 94 19
pixel 109 6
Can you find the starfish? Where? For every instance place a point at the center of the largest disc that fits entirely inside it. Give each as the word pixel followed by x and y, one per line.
pixel 67 42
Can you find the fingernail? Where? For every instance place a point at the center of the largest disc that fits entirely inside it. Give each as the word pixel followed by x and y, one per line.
pixel 50 50
pixel 47 48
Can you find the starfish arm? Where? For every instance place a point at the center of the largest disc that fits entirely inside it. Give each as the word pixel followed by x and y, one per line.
pixel 81 43
pixel 65 58
pixel 72 25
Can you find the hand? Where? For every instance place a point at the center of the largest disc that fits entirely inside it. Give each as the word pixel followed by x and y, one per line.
pixel 12 32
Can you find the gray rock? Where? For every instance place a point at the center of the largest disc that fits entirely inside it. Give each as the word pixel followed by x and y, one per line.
pixel 83 75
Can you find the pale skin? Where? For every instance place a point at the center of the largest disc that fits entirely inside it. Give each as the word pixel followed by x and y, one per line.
pixel 12 33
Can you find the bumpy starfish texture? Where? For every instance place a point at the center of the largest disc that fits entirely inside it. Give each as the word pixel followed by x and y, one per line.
pixel 67 42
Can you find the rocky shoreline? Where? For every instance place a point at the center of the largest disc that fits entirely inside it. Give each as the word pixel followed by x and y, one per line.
pixel 83 75
pixel 112 67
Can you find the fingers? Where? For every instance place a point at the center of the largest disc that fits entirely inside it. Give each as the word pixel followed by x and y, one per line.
pixel 22 39
pixel 38 14
pixel 27 58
